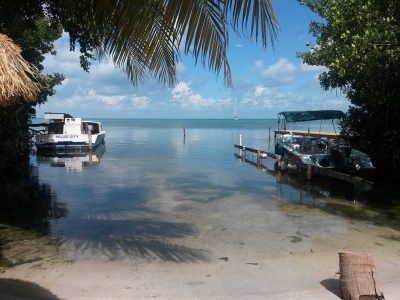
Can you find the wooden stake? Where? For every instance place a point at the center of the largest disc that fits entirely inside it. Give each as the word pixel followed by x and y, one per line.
pixel 240 144
pixel 358 278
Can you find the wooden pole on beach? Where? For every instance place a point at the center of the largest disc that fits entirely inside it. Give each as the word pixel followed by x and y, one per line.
pixel 358 278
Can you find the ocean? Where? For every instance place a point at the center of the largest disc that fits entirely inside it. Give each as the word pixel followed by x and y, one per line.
pixel 152 190
pixel 156 213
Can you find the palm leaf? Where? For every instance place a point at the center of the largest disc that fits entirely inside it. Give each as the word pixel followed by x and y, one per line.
pixel 138 40
pixel 203 23
pixel 144 37
pixel 19 80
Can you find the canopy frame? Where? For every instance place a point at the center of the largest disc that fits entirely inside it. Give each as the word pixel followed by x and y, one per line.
pixel 285 117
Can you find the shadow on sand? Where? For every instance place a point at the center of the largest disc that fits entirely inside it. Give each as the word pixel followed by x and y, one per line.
pixel 114 239
pixel 11 288
pixel 332 285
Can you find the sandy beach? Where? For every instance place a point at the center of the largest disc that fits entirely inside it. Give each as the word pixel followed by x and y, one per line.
pixel 219 250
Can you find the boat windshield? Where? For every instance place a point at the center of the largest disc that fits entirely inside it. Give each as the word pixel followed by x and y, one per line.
pixel 313 146
pixel 55 128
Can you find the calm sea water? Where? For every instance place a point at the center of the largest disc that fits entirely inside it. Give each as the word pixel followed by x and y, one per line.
pixel 115 192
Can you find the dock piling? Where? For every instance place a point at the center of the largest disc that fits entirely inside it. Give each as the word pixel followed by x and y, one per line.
pixel 269 139
pixel 240 144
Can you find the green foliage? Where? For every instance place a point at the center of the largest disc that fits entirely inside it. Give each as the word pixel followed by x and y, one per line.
pixel 359 43
pixel 34 32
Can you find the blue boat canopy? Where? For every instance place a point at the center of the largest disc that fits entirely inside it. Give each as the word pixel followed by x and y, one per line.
pixel 310 115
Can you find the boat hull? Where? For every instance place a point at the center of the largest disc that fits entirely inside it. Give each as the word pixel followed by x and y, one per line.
pixel 357 163
pixel 55 142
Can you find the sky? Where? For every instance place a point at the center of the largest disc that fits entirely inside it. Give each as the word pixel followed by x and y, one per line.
pixel 265 81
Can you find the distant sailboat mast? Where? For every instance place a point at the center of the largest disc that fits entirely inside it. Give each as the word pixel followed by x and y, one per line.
pixel 235 114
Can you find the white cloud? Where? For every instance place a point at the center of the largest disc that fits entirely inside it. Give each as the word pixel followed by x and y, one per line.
pixel 268 97
pixel 281 72
pixel 260 90
pixel 284 72
pixel 105 68
pixel 181 89
pixel 140 102
pixel 65 81
pixel 92 97
pixel 65 61
pixel 258 64
pixel 308 68
pixel 111 100
pixel 183 94
pixel 180 67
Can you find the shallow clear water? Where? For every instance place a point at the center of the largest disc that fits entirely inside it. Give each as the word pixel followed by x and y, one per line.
pixel 132 198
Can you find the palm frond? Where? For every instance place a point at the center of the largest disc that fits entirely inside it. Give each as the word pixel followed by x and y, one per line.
pixel 18 78
pixel 204 24
pixel 144 37
pixel 259 13
pixel 137 38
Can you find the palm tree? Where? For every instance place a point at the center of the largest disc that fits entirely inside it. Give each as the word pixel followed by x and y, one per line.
pixel 146 36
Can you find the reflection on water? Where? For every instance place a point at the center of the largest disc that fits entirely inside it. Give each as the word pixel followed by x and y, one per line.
pixel 156 195
pixel 73 161
pixel 28 203
pixel 295 193
pixel 27 207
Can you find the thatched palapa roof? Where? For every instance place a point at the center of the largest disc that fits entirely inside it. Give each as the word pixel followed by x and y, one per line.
pixel 18 78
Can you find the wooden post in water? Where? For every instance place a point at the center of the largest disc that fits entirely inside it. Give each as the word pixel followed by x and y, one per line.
pixel 269 139
pixel 240 144
pixel 358 278
pixel 278 162
pixel 184 131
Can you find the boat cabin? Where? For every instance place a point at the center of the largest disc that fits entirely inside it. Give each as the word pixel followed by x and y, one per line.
pixel 62 123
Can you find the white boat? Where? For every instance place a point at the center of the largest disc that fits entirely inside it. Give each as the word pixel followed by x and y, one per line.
pixel 62 131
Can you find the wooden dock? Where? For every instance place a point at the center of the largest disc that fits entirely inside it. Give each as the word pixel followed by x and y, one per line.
pixel 308 171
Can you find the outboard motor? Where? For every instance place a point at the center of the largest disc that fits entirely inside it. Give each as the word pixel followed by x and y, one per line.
pixel 340 153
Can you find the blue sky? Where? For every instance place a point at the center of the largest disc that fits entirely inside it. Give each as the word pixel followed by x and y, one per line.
pixel 264 81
